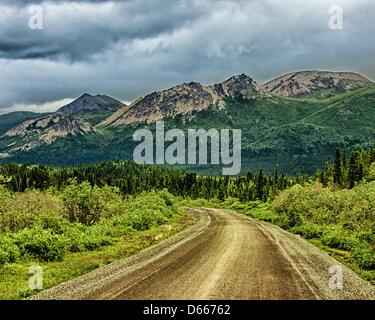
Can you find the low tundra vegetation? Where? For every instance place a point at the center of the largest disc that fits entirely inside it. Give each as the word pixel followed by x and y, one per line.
pixel 46 225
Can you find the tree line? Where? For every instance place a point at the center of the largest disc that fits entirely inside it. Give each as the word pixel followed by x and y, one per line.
pixel 343 171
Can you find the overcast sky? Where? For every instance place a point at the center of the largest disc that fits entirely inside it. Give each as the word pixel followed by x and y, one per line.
pixel 129 48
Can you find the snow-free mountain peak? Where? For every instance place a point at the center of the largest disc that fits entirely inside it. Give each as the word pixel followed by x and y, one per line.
pixel 318 84
pixel 88 103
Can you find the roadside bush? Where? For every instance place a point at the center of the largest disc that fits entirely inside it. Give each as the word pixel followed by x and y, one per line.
pixel 262 213
pixel 148 208
pixel 353 209
pixel 86 204
pixel 140 220
pixel 41 244
pixel 365 257
pixel 309 231
pixel 45 225
pixel 24 210
pixel 366 236
pixel 4 199
pixel 234 203
pixel 168 198
pixel 82 202
pixel 9 251
pixel 96 241
pixel 338 240
pixel 98 236
pixel 49 221
pixel 75 233
pixel 349 226
pixel 294 219
pixel 81 238
pixel 281 220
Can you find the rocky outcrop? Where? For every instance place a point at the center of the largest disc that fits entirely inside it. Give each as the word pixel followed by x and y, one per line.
pixel 239 84
pixel 65 127
pixel 305 83
pixel 182 99
pixel 49 128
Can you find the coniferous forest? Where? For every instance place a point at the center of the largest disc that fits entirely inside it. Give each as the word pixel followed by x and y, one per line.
pixel 343 171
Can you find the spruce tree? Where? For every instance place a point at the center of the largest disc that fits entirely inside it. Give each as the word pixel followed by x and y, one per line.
pixel 259 188
pixel 337 178
pixel 352 170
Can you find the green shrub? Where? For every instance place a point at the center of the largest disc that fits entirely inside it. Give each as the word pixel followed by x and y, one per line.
pixel 371 173
pixel 81 218
pixel 168 198
pixel 366 236
pixel 86 204
pixel 81 238
pixel 52 222
pixel 365 257
pixel 294 219
pixel 9 251
pixel 349 226
pixel 76 238
pixel 96 241
pixel 24 209
pixel 5 195
pixel 98 236
pixel 309 231
pixel 281 220
pixel 262 213
pixel 148 209
pixel 140 221
pixel 199 203
pixel 338 240
pixel 41 244
pixel 353 209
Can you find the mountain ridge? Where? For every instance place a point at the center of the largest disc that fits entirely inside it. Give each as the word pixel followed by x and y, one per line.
pixel 182 99
pixel 304 83
pixel 276 129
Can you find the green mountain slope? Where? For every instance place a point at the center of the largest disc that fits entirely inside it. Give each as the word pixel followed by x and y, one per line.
pixel 290 121
pixel 296 134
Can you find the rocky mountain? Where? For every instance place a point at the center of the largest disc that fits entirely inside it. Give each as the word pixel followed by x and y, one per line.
pixel 297 134
pixel 182 99
pixel 76 118
pixel 318 84
pixel 89 104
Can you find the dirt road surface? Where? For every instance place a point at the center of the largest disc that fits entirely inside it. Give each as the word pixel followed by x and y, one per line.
pixel 225 255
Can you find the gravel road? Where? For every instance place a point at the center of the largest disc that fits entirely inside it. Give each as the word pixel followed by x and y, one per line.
pixel 225 255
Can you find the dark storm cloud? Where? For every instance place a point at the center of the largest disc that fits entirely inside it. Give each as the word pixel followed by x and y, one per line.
pixel 128 48
pixel 77 30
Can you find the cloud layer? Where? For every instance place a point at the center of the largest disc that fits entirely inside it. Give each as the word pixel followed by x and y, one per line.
pixel 128 48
